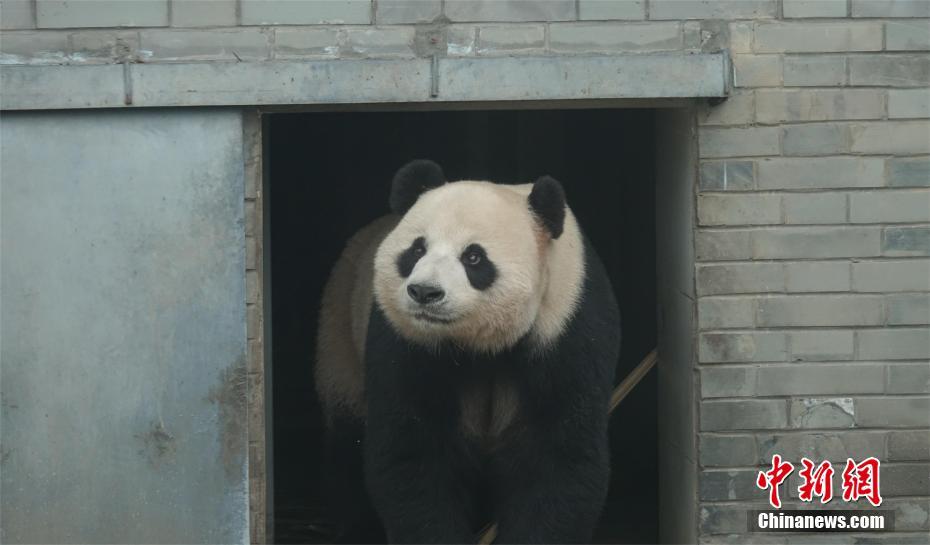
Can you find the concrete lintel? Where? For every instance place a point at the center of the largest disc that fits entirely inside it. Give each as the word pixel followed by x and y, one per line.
pixel 365 81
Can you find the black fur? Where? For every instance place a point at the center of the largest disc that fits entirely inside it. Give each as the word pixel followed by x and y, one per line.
pixel 547 201
pixel 409 257
pixel 411 180
pixel 482 274
pixel 543 481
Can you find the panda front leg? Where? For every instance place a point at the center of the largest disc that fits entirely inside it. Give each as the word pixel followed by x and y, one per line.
pixel 552 476
pixel 414 476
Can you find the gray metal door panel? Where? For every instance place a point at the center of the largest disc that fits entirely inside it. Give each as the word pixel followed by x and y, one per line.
pixel 122 327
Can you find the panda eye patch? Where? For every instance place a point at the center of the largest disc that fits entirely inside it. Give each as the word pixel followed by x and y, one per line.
pixel 480 271
pixel 409 257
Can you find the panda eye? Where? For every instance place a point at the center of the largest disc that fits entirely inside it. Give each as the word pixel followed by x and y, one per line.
pixel 472 258
pixel 419 247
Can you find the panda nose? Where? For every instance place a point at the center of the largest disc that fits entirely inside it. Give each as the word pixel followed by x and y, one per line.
pixel 425 294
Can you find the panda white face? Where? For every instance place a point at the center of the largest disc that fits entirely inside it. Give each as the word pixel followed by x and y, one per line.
pixel 463 264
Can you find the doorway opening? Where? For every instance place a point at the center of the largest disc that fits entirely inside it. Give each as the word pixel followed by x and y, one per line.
pixel 329 175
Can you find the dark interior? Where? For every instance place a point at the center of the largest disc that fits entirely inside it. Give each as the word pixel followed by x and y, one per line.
pixel 330 175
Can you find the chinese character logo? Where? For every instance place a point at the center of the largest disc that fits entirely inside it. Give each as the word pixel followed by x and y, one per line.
pixel 859 480
pixel 774 477
pixel 816 482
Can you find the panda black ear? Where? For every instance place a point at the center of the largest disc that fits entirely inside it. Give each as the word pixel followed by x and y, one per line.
pixel 413 179
pixel 547 201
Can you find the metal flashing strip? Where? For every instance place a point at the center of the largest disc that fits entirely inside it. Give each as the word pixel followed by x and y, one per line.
pixel 365 81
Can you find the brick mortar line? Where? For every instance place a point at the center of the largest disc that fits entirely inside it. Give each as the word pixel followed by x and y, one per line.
pixel 792 397
pixel 805 328
pixel 725 469
pixel 809 294
pixel 758 432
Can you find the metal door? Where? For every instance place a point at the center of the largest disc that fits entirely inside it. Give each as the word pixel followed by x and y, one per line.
pixel 122 327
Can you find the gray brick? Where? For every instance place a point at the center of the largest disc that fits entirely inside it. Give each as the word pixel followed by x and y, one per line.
pixel 743 347
pixel 722 245
pixel 893 412
pixel 742 415
pixel 105 46
pixel 801 37
pixel 821 345
pixel 909 378
pixel 381 42
pixel 821 172
pixel 740 37
pixel 812 208
pixel 908 103
pixel 882 276
pixel 28 47
pixel 718 9
pixel 726 312
pixel 820 310
pixel 908 309
pixel 890 70
pixel 890 8
pixel 816 139
pixel 813 276
pixel 392 12
pixel 203 13
pixel 611 37
pixel 911 515
pixel 737 142
pixel 814 70
pixel 816 242
pixel 603 10
pixel 905 205
pixel 907 35
pixel 912 445
pixel 813 8
pixel 16 14
pixel 909 172
pixel 727 175
pixel 287 12
pixel 832 446
pixel 797 379
pixel 723 519
pixel 234 44
pixel 780 105
pixel 460 40
pixel 728 381
pixel 833 412
pixel 739 209
pixel 905 241
pixel 727 450
pixel 101 13
pixel 505 39
pixel 510 10
pixel 296 42
pixel 740 278
pixel 896 137
pixel 728 485
pixel 894 344
pixel 757 70
pixel 905 480
pixel 738 109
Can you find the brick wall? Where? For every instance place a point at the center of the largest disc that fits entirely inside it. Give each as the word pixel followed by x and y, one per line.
pixel 813 197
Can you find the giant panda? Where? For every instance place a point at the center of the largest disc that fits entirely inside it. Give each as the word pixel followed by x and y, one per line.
pixel 466 352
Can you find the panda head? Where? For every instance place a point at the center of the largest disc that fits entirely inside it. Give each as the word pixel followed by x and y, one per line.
pixel 467 262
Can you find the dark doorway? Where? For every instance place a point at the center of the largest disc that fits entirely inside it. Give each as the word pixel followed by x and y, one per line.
pixel 330 175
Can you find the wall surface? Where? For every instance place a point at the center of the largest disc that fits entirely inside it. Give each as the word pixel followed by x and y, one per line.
pixel 123 340
pixel 812 245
